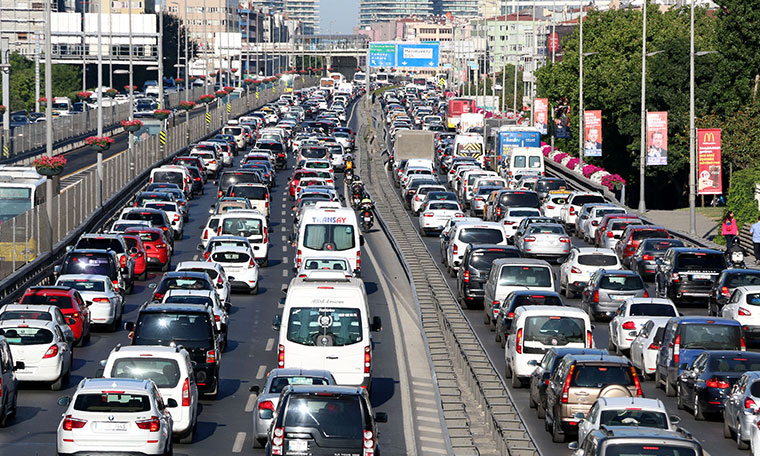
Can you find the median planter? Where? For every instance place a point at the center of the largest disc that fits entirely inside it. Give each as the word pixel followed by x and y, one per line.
pixel 99 143
pixel 161 114
pixel 81 96
pixel 206 98
pixel 186 105
pixel 111 93
pixel 49 166
pixel 131 125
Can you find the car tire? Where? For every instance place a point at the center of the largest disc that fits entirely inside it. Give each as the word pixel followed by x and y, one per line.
pixel 167 266
pixel 515 381
pixel 541 410
pixel 741 443
pixel 486 317
pixel 557 435
pixel 727 432
pixel 503 341
pixel 4 419
pixel 507 370
pixel 265 261
pixel 259 443
pixel 497 337
pixel 452 272
pixel 255 290
pixel 144 275
pixel 698 414
pixel 670 390
pixel 58 384
pixel 180 235
pixel 679 398
pixel 568 293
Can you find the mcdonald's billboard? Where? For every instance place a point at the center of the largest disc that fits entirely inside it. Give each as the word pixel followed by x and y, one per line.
pixel 709 169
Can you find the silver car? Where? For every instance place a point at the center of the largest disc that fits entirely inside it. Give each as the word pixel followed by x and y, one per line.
pixel 544 240
pixel 105 302
pixel 269 396
pixel 740 408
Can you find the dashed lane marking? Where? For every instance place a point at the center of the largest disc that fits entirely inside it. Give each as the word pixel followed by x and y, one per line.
pixel 284 248
pixel 270 344
pixel 260 373
pixel 251 403
pixel 237 447
pixel 284 272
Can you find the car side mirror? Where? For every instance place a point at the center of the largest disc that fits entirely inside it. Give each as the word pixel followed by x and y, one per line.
pixel 133 251
pixel 255 389
pixel 171 403
pixel 71 320
pixel 152 286
pixel 377 324
pixel 381 417
pixel 19 366
pixel 573 446
pixel 64 401
pixel 129 326
pixel 276 322
pixel 532 362
pixel 199 247
pixel 674 419
pixel 579 416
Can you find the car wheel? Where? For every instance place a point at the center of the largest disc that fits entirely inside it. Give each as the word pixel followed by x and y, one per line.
pixel 452 272
pixel 497 337
pixel 259 443
pixel 727 432
pixel 569 294
pixel 547 425
pixel 56 385
pixel 516 383
pixel 503 341
pixel 4 419
pixel 265 261
pixel 557 435
pixel 255 290
pixel 144 275
pixel 698 414
pixel 167 266
pixel 679 398
pixel 670 389
pixel 740 442
pixel 486 317
pixel 541 410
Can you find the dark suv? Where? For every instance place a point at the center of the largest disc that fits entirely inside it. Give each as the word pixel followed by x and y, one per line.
pixel 182 280
pixel 189 325
pixel 688 273
pixel 324 420
pixel 617 440
pixel 118 245
pixel 94 261
pixel 476 264
pixel 728 281
pixel 644 260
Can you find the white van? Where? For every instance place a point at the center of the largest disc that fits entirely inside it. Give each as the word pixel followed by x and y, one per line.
pixel 333 231
pixel 525 160
pixel 250 224
pixel 173 174
pixel 236 132
pixel 325 324
pixel 536 329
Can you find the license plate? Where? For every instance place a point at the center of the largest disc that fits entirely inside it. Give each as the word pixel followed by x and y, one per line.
pixel 105 426
pixel 298 445
pixel 701 277
pixel 618 298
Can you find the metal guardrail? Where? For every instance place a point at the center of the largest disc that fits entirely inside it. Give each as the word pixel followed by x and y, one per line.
pixel 479 412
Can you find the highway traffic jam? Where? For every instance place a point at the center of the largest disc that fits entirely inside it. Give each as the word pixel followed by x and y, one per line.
pixel 596 317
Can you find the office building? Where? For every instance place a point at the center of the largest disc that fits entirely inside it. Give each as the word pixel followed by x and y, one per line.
pixel 371 11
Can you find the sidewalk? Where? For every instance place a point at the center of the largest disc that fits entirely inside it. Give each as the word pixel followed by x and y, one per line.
pixel 679 220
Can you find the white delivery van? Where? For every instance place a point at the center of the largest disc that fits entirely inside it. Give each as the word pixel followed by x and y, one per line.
pixel 250 224
pixel 333 231
pixel 173 174
pixel 325 324
pixel 525 160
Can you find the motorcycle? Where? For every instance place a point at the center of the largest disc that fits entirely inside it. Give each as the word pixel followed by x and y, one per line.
pixel 349 175
pixel 367 219
pixel 355 201
pixel 735 259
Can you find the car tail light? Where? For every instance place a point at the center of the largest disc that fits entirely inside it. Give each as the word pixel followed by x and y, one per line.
pixel 566 386
pixel 572 210
pixel 220 193
pixel 677 349
pixel 367 359
pixel 205 234
pixel 100 300
pixel 369 442
pixel 636 382
pixel 596 296
pixel 518 341
pixel 629 325
pixel 165 228
pixel 51 352
pixel 69 423
pixel 197 179
pixel 565 240
pixel 575 270
pixel 551 207
pixel 123 261
pixel 281 356
pixel 750 404
pixel 459 214
pixel 210 356
pixel 466 278
pixel 186 393
pixel 176 217
pixel 589 339
pixel 158 296
pixel 717 383
pixel 744 312
pixel 427 214
pixel 277 440
pixel 508 223
pixel 742 344
pixel 647 257
pixel 498 211
pixel 153 425
pixel 724 291
pixel 455 248
pixel 676 277
pixel 529 239
pixel 654 346
pixel 646 294
pixel 610 234
pixel 115 284
pixel 217 318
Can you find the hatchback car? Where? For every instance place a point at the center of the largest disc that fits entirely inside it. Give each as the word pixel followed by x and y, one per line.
pixel 435 214
pixel 239 265
pixel 44 350
pixel 157 246
pixel 631 316
pixel 580 264
pixel 39 312
pixel 476 264
pixel 215 272
pixel 502 321
pixel 115 415
pixel 726 283
pixel 606 291
pixel 744 307
pixel 544 240
pixel 740 409
pixel 182 280
pixel 618 440
pixel 106 305
pixel 94 262
pixel 633 235
pixel 646 346
pixel 644 260
pixel 71 304
pixel 638 412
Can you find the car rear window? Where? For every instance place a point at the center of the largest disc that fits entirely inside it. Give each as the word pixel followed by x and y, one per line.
pixel 112 402
pixel 149 236
pixel 338 264
pixel 620 225
pixel 161 328
pixel 336 416
pixel 100 244
pixel 25 315
pixel 710 336
pixel 154 218
pixel 481 236
pixel 647 449
pixel 169 207
pixel 189 299
pixel 546 229
pixel 597 259
pixel 279 383
pixel 744 363
pixel 482 259
pixel 700 261
pixel 229 179
pixel 183 283
pixel 211 272
pixel 523 213
pixel 621 282
pixel 634 417
pixel 62 302
pixel 242 226
pixel 519 199
pixel 601 375
pixel 652 310
pixel 230 257
pixel 258 193
pixel 172 177
pixel 83 284
pixel 660 246
pixel 537 300
pixel 164 372
pixel 555 331
pixel 580 200
pixel 522 276
pixel 443 205
pixel 742 279
pixel 27 336
pixel 639 235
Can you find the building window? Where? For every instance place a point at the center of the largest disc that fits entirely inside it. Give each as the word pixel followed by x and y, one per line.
pixel 22 36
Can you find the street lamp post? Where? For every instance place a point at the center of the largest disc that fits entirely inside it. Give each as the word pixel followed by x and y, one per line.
pixel 100 103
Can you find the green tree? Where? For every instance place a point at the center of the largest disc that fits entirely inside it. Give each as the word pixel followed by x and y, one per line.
pixel 66 80
pixel 737 33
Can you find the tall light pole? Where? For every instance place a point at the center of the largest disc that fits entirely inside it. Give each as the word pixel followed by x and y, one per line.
pixel 643 145
pixel 160 42
pixel 100 103
pixel 49 106
pixel 580 89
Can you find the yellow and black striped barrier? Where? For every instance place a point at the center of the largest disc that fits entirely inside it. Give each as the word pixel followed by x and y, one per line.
pixel 6 151
pixel 162 137
pixel 208 117
pixel 229 108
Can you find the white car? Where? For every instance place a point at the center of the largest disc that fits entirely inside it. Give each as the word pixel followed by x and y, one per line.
pixel 241 268
pixel 171 370
pixel 544 240
pixel 595 216
pixel 435 214
pixel 216 273
pixel 211 228
pixel 626 411
pixel 42 347
pixel 646 346
pixel 39 312
pixel 174 214
pixel 209 161
pixel 576 271
pixel 553 204
pixel 574 203
pixel 512 218
pixel 471 233
pixel 744 307
pixel 105 303
pixel 419 197
pixel 115 415
pixel 631 316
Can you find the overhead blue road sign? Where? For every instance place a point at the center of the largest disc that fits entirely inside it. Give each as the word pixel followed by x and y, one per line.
pixel 424 55
pixel 382 55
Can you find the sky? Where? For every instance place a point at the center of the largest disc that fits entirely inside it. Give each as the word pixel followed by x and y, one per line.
pixel 338 16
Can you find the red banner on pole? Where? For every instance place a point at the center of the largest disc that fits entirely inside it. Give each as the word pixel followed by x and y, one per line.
pixel 709 171
pixel 657 138
pixel 592 126
pixel 542 114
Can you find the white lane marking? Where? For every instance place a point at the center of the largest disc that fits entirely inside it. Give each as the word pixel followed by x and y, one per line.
pixel 284 248
pixel 284 260
pixel 195 257
pixel 283 229
pixel 283 205
pixel 282 220
pixel 251 402
pixel 260 373
pixel 237 447
pixel 283 238
pixel 283 212
pixel 284 272
pixel 270 344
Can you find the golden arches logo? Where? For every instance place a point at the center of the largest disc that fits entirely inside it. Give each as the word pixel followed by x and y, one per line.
pixel 708 138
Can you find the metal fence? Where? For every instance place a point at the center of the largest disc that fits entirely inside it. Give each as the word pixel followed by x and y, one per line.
pixel 31 234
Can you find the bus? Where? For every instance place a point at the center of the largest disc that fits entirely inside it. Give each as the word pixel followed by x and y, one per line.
pixel 327 84
pixel 360 78
pixel 21 189
pixel 420 83
pixel 458 106
pixel 383 79
pixel 337 77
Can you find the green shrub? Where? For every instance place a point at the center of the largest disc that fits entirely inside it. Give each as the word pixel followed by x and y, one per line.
pixel 741 195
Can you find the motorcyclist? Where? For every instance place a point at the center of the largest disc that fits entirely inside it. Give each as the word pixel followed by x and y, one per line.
pixel 735 248
pixel 366 202
pixel 349 162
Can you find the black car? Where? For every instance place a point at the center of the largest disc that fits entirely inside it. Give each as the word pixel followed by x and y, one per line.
pixel 726 283
pixel 277 148
pixel 229 178
pixel 189 325
pixel 546 184
pixel 705 385
pixel 503 320
pixel 513 198
pixel 412 190
pixel 182 280
pixel 97 262
pixel 197 177
pixel 688 273
pixel 644 260
pixel 544 370
pixel 338 420
pixel 476 264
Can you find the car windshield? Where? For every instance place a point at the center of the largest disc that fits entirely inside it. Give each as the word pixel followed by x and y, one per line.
pixel 652 310
pixel 27 336
pixel 164 372
pixel 83 284
pixel 597 259
pixel 742 279
pixel 600 376
pixel 280 382
pixel 482 259
pixel 323 326
pixel 481 236
pixel 242 226
pixel 519 199
pixel 173 177
pixel 230 257
pixel 710 336
pixel 621 282
pixel 700 261
pixel 634 417
pixel 112 402
pixel 555 331
pixel 211 271
pixel 647 449
pixel 338 264
pixel 62 302
pixel 100 244
pixel 526 276
pixel 336 416
pixel 25 315
pixel 249 192
pixel 743 363
pixel 162 328
pixel 329 237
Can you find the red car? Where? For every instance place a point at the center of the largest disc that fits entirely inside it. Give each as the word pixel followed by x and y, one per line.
pixel 297 178
pixel 71 305
pixel 157 247
pixel 139 254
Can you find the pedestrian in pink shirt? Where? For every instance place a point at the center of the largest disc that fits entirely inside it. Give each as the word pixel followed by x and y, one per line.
pixel 729 229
